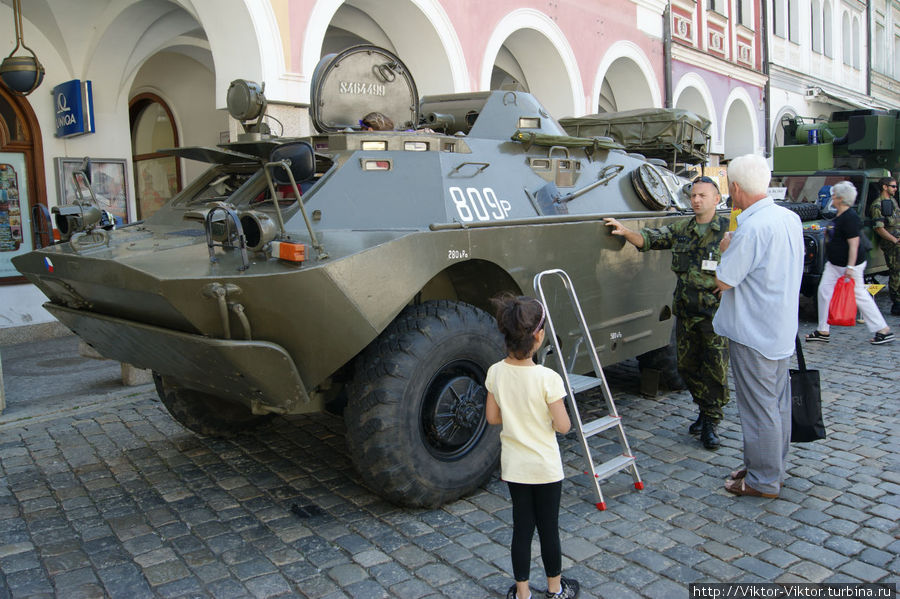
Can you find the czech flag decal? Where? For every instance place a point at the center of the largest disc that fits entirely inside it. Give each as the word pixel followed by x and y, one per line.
pixel 48 265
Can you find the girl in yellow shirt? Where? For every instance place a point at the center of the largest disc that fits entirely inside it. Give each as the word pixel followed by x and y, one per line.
pixel 527 399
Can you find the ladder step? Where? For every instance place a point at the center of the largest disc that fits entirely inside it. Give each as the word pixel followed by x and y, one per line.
pixel 581 382
pixel 601 424
pixel 612 466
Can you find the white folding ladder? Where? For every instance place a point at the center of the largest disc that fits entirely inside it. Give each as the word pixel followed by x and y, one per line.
pixel 576 383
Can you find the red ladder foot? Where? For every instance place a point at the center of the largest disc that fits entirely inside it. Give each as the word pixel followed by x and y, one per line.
pixel 639 486
pixel 601 506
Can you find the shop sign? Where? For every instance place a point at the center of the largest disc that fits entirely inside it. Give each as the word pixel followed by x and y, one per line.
pixel 74 103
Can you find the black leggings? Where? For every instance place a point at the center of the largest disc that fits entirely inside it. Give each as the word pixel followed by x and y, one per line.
pixel 535 505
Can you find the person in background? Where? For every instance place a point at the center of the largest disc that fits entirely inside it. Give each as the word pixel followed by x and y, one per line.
pixel 887 228
pixel 527 400
pixel 702 354
pixel 759 281
pixel 845 260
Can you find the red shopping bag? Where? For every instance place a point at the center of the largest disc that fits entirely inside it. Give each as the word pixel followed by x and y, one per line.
pixel 842 309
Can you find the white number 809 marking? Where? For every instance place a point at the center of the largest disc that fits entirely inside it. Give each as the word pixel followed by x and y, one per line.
pixel 478 204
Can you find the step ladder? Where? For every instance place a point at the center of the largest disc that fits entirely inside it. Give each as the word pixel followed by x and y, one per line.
pixel 576 383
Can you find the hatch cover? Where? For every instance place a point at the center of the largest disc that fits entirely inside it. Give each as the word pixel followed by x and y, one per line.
pixel 349 84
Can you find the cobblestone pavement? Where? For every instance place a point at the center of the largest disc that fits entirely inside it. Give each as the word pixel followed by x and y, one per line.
pixel 116 499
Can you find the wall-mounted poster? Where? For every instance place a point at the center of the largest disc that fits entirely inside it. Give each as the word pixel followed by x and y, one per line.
pixel 157 182
pixel 15 221
pixel 108 180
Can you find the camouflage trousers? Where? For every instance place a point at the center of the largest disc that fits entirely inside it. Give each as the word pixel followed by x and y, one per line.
pixel 892 258
pixel 703 364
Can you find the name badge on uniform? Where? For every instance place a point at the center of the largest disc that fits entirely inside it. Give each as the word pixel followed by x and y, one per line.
pixel 709 265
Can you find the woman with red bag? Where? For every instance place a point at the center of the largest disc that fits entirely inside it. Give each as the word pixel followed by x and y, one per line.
pixel 845 260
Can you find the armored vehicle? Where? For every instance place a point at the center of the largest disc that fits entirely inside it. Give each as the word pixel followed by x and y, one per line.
pixel 356 266
pixel 860 146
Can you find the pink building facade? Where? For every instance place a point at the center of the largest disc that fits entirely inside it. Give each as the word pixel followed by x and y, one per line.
pixel 718 70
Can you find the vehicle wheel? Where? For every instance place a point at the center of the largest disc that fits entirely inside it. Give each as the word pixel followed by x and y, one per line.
pixel 205 414
pixel 416 429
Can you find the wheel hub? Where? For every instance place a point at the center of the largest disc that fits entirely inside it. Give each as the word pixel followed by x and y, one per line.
pixel 453 410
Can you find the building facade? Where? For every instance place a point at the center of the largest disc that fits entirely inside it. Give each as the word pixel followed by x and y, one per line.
pixel 821 59
pixel 885 52
pixel 717 71
pixel 160 71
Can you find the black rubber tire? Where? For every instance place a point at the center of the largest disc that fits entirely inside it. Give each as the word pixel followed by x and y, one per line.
pixel 426 369
pixel 204 414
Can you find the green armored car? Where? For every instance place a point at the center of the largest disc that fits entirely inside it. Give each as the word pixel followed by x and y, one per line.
pixel 860 146
pixel 355 267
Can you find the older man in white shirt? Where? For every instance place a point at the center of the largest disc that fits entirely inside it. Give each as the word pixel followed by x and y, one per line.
pixel 759 280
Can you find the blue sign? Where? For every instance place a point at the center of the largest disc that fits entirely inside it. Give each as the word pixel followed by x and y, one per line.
pixel 74 102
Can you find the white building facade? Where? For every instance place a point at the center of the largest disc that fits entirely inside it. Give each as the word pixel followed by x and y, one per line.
pixel 819 53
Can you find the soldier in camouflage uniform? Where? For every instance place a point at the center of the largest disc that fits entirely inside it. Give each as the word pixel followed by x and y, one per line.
pixel 702 355
pixel 887 228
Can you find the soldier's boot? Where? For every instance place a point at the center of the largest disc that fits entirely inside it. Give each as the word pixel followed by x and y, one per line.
pixel 895 309
pixel 697 426
pixel 708 434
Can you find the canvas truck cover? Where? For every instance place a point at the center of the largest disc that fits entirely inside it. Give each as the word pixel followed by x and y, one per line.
pixel 673 135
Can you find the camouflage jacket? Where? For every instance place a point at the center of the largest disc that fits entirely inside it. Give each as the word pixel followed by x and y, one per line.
pixel 891 223
pixel 694 291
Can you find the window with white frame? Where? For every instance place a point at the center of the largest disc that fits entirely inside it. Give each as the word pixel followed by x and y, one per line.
pixel 779 17
pixel 793 20
pixel 827 41
pixel 878 55
pixel 846 39
pixel 718 6
pixel 745 13
pixel 897 56
pixel 816 26
pixel 856 43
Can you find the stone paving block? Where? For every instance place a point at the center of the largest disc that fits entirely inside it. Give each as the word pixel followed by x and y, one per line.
pixel 685 555
pixel 413 588
pixel 210 572
pixel 463 589
pixel 811 534
pixel 226 589
pixel 864 572
pixel 873 537
pixel 634 576
pixel 389 574
pixel 754 566
pixel 877 557
pixel 811 571
pixel 437 575
pixel 166 572
pixel 28 583
pixel 18 562
pixel 269 585
pixel 614 589
pixel 882 524
pixel 183 587
pixel 452 553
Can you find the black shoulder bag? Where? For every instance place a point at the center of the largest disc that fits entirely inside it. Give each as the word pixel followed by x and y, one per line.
pixel 806 402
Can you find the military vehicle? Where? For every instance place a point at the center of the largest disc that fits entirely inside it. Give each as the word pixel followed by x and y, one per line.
pixel 860 146
pixel 357 266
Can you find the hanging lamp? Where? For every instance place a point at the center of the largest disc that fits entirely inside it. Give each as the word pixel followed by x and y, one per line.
pixel 21 74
